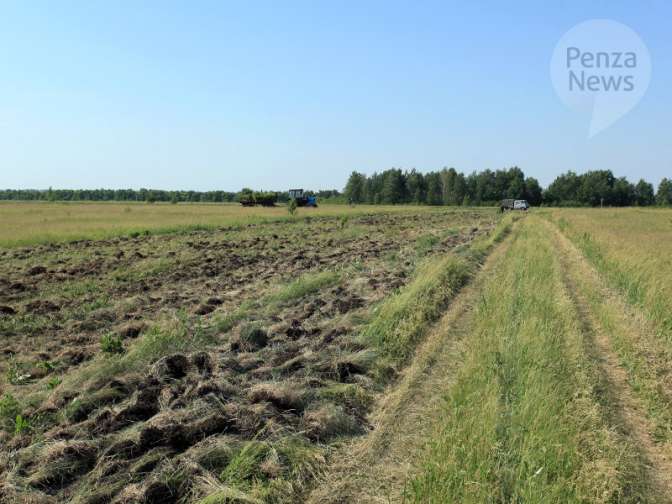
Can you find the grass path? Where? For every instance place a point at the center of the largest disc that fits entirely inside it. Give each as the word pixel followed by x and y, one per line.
pixel 531 388
pixel 524 420
pixel 375 469
pixel 616 328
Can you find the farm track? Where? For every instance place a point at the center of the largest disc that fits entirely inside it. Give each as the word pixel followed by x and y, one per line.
pixel 376 468
pixel 627 410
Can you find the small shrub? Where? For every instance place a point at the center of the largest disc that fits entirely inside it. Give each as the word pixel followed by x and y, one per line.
pixel 343 221
pixel 16 373
pixel 111 344
pixel 48 366
pixel 9 409
pixel 21 425
pixel 53 383
pixel 292 207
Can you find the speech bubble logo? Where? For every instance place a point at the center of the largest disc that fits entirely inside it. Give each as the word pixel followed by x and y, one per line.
pixel 601 68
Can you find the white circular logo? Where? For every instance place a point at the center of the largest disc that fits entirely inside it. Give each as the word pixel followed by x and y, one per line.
pixel 601 68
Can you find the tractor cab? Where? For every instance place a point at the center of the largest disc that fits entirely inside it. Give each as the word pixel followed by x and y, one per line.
pixel 301 199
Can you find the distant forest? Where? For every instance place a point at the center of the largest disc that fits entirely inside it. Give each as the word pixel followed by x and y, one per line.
pixel 147 195
pixel 396 186
pixel 450 187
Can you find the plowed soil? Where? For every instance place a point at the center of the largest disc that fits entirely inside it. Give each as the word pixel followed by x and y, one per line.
pixel 139 367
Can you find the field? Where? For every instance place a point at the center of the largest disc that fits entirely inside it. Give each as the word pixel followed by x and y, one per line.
pixel 31 223
pixel 366 354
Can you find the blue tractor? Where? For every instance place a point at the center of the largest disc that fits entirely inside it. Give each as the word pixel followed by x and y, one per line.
pixel 301 199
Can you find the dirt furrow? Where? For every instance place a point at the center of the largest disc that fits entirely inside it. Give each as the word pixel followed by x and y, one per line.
pixel 626 408
pixel 376 468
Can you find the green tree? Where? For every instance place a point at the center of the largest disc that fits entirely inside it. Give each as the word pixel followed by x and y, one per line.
pixel 564 189
pixel 623 193
pixel 532 191
pixel 644 193
pixel 664 194
pixel 355 188
pixel 596 187
pixel 416 187
pixel 394 187
pixel 434 191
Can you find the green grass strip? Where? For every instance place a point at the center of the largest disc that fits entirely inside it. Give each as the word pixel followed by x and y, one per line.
pixel 522 422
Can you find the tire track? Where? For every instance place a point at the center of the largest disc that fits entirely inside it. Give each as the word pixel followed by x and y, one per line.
pixel 627 410
pixel 375 469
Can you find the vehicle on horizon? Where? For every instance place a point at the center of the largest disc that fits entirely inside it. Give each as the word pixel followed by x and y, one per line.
pixel 514 204
pixel 302 200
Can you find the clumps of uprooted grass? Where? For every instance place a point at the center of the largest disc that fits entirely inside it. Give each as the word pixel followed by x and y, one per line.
pixel 268 471
pixel 178 418
pixel 167 337
pixel 58 463
pixel 284 396
pixel 329 421
pixel 251 337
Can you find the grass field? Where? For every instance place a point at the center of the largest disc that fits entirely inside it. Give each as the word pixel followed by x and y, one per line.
pixel 370 354
pixel 31 223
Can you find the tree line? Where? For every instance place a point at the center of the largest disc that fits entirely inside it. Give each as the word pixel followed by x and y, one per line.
pixel 396 186
pixel 488 187
pixel 444 187
pixel 149 195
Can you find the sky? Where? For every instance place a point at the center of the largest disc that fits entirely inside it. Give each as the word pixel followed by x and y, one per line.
pixel 208 95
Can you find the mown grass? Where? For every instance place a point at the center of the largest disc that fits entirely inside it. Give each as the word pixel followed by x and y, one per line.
pixel 31 223
pixel 523 422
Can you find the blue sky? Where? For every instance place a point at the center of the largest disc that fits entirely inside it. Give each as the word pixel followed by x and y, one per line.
pixel 220 95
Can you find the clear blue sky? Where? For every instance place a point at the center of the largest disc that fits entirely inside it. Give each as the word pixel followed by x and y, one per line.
pixel 217 95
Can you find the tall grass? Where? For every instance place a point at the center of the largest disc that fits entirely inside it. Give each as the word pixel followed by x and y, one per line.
pixel 402 320
pixel 629 247
pixel 522 422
